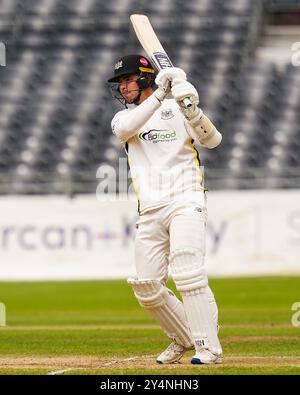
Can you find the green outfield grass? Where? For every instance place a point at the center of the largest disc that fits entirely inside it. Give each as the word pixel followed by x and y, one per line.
pixel 97 327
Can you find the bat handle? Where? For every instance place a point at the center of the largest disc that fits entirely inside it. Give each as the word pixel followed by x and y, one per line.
pixel 187 103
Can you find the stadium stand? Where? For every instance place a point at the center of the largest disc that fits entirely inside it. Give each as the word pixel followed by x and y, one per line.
pixel 55 106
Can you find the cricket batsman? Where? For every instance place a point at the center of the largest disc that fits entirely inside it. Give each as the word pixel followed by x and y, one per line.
pixel 158 131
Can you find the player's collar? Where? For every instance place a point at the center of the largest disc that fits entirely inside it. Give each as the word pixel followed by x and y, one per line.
pixel 131 106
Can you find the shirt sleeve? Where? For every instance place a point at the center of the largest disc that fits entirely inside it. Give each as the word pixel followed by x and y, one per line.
pixel 127 123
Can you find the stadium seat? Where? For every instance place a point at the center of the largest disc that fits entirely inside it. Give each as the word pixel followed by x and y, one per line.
pixel 54 111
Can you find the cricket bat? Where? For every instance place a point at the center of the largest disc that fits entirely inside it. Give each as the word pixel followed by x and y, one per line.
pixel 151 44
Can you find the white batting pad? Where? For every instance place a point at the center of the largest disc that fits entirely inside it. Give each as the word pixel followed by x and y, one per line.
pixel 165 308
pixel 191 281
pixel 213 304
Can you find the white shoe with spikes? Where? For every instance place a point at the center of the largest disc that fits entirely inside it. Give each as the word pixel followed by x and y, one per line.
pixel 173 353
pixel 203 357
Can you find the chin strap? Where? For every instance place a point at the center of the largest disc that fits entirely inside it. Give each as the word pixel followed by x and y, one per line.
pixel 137 98
pixel 143 84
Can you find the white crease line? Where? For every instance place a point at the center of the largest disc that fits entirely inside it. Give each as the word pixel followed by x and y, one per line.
pixel 61 371
pixel 106 364
pixel 142 357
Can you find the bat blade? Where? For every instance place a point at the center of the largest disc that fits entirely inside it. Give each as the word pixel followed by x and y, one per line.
pixel 151 44
pixel 149 41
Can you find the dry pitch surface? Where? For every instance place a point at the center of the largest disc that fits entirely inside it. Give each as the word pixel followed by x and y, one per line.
pixel 93 365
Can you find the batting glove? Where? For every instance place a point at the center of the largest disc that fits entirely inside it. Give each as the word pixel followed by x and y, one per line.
pixel 167 75
pixel 182 90
pixel 161 93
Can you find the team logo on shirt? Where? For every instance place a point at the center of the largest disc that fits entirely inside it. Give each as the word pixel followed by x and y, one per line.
pixel 157 136
pixel 167 114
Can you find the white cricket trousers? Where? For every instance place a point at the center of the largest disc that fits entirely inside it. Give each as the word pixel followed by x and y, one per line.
pixel 179 225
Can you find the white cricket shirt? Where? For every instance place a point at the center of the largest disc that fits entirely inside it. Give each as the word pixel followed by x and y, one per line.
pixel 163 162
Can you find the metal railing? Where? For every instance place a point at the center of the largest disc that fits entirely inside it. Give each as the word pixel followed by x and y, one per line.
pixel 86 182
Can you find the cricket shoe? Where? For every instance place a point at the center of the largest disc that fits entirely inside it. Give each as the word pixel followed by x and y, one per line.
pixel 173 353
pixel 205 357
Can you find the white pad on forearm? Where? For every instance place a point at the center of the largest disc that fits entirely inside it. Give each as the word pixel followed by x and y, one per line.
pixel 205 133
pixel 165 308
pixel 191 281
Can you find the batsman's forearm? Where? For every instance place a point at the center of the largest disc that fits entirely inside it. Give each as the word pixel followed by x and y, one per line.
pixel 129 124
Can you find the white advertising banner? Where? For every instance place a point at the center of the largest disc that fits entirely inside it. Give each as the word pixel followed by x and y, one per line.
pixel 48 238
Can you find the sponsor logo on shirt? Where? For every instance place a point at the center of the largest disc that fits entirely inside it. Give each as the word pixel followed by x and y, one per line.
pixel 157 136
pixel 167 114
